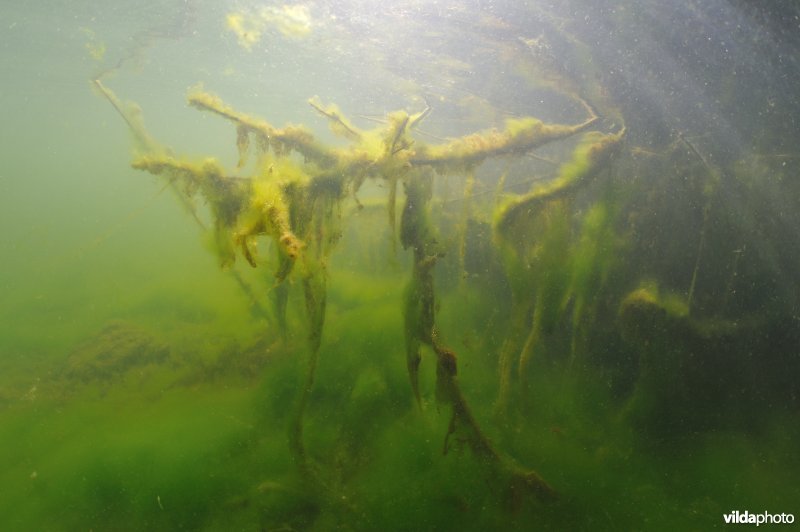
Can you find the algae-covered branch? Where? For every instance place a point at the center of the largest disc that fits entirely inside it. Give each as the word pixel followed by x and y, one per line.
pixel 289 187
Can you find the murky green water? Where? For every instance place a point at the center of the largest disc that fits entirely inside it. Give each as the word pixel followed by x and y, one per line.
pixel 581 312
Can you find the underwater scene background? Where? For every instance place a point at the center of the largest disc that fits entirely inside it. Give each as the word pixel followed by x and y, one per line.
pixel 399 266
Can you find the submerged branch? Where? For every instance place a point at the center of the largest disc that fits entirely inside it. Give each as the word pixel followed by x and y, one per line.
pixel 339 124
pixel 295 138
pixel 520 136
pixel 594 153
pixel 143 140
pixel 295 203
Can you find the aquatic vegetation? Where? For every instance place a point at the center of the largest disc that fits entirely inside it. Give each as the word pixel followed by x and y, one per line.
pixel 571 306
pixel 294 196
pixel 534 233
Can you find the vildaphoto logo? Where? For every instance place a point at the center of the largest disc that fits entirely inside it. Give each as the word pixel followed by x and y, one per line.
pixel 764 518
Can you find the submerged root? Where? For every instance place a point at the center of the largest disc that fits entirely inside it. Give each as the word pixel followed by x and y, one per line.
pixel 421 329
pixel 517 481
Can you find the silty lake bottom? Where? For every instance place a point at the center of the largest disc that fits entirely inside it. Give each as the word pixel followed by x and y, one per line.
pixel 419 266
